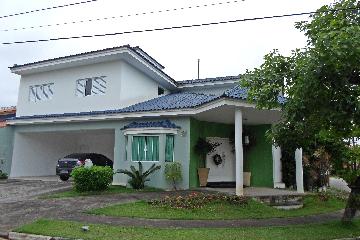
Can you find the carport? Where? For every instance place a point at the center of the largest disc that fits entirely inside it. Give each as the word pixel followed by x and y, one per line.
pixel 36 153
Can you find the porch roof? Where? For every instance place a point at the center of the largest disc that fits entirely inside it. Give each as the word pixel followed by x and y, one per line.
pixel 154 124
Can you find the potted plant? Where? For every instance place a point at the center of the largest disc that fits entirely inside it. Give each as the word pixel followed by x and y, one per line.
pixel 202 148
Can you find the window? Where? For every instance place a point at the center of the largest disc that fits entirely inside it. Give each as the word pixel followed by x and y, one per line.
pixel 169 148
pixel 126 147
pixel 41 92
pixel 161 91
pixel 145 148
pixel 91 86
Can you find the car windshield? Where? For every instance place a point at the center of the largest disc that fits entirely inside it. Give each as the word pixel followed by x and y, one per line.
pixel 77 156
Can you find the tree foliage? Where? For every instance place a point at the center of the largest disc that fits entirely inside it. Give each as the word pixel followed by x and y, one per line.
pixel 320 82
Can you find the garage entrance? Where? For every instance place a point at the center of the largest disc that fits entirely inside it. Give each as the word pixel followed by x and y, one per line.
pixel 36 153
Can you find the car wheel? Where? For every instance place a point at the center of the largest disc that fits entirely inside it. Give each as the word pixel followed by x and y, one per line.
pixel 64 177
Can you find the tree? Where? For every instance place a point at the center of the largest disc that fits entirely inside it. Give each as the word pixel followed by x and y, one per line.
pixel 173 173
pixel 321 83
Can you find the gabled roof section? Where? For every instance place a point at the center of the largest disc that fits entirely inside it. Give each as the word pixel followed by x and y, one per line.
pixel 209 81
pixel 136 49
pixel 148 57
pixel 133 55
pixel 156 124
pixel 7 110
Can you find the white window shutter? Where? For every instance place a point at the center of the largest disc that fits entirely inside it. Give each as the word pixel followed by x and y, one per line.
pixel 98 85
pixel 80 87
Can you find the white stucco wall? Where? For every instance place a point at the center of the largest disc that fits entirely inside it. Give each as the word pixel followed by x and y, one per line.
pixel 126 85
pixel 36 154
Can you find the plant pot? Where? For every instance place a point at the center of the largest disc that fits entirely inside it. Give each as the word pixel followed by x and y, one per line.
pixel 203 176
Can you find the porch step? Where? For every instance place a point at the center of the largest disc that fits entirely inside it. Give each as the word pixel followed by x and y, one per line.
pixel 221 184
pixel 283 202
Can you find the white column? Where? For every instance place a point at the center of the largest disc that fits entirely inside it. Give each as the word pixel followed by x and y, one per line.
pixel 299 171
pixel 239 155
pixel 277 174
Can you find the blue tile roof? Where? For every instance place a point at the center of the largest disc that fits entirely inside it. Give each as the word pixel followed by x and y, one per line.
pixel 172 101
pixel 236 92
pixel 181 100
pixel 241 93
pixel 7 116
pixel 166 102
pixel 208 80
pixel 158 124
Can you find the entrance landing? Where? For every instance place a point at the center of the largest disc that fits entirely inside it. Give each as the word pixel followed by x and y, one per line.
pixel 258 191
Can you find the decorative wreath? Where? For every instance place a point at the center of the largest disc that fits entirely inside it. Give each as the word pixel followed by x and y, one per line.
pixel 217 159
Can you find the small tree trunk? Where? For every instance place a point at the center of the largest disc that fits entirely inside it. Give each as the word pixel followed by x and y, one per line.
pixel 174 184
pixel 353 203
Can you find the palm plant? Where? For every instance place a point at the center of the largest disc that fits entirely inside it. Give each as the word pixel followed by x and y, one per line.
pixel 138 177
pixel 204 147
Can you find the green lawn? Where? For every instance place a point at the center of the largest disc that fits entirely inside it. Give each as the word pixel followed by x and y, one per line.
pixel 254 209
pixel 69 229
pixel 111 190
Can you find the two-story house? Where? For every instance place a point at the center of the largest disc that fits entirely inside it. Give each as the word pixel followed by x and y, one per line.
pixel 119 102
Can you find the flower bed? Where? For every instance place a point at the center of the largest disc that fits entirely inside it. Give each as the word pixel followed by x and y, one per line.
pixel 197 200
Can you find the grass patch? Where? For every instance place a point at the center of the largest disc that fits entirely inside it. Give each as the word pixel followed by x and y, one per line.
pixel 220 210
pixel 71 229
pixel 111 190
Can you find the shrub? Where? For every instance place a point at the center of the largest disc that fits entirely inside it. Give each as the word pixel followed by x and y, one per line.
pixel 95 178
pixel 323 196
pixel 173 173
pixel 138 177
pixel 197 200
pixel 3 175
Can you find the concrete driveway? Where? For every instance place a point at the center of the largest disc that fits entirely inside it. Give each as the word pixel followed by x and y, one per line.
pixel 14 190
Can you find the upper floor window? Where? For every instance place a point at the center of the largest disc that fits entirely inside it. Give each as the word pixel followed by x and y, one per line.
pixel 41 92
pixel 161 91
pixel 91 86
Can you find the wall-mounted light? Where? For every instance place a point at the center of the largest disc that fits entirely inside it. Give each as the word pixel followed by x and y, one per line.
pixel 182 133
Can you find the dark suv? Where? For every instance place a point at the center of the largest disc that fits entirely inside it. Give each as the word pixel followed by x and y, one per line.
pixel 66 164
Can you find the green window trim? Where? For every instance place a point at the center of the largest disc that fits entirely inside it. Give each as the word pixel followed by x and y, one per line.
pixel 126 147
pixel 145 148
pixel 169 148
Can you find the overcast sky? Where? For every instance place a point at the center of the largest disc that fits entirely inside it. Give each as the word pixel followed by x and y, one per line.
pixel 227 49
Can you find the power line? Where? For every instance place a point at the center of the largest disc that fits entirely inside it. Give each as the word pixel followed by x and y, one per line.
pixel 48 8
pixel 123 16
pixel 179 27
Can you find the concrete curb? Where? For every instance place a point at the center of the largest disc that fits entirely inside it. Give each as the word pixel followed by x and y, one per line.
pixel 356 238
pixel 25 236
pixel 4 235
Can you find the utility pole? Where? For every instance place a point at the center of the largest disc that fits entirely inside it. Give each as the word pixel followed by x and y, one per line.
pixel 198 68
